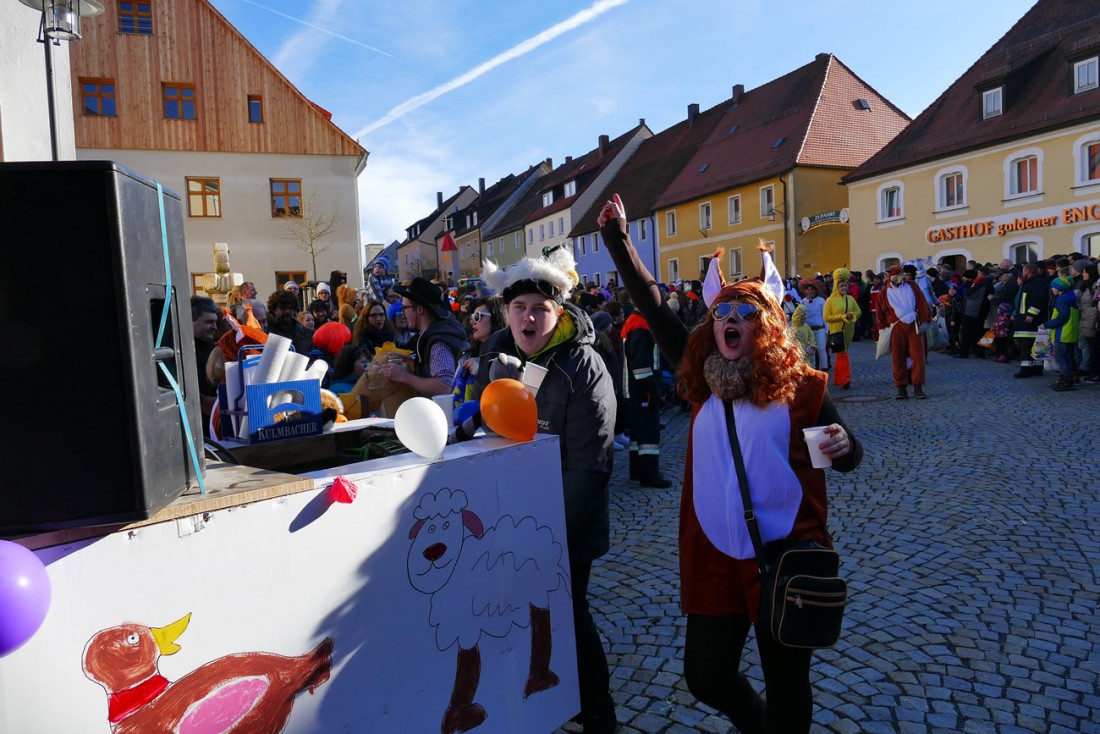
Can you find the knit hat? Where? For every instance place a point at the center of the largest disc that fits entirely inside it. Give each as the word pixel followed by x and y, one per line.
pixel 1062 284
pixel 331 337
pixel 383 261
pixel 601 320
pixel 952 285
pixel 323 287
pixel 1079 266
pixel 554 275
pixel 290 285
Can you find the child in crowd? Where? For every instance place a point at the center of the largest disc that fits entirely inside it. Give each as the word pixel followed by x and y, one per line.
pixel 805 335
pixel 1002 331
pixel 351 363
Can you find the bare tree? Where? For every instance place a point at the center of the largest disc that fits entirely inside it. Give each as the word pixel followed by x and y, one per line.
pixel 307 231
pixel 425 267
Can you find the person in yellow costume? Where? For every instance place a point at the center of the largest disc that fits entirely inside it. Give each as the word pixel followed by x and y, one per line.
pixel 841 313
pixel 805 335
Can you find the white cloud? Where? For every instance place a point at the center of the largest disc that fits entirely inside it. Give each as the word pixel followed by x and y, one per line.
pixel 575 21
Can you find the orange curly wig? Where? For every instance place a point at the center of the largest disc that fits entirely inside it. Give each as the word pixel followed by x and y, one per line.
pixel 778 366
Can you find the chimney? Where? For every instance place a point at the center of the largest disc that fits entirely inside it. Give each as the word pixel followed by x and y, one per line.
pixel 738 93
pixel 604 140
pixel 822 57
pixel 641 122
pixel 568 159
pixel 438 199
pixel 481 186
pixel 550 163
pixel 693 112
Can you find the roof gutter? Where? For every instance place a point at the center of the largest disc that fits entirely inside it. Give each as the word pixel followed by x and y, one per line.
pixel 786 236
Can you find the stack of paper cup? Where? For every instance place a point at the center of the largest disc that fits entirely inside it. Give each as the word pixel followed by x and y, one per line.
pixel 814 438
pixel 272 359
pixel 447 404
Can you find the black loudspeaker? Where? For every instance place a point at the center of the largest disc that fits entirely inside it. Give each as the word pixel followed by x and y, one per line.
pixel 90 429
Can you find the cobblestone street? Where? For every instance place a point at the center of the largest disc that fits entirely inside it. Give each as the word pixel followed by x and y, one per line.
pixel 970 537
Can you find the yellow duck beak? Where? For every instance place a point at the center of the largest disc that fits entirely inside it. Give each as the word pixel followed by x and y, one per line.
pixel 166 636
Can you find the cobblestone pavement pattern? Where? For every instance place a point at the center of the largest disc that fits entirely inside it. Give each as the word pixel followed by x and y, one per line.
pixel 970 538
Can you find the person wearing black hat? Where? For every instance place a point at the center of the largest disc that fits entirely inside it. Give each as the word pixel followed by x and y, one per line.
pixel 441 339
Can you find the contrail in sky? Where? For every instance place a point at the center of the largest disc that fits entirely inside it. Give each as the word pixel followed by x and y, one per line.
pixel 318 28
pixel 524 47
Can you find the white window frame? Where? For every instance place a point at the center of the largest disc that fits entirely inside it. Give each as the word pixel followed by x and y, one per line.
pixel 531 236
pixel 880 200
pixel 1081 160
pixel 561 225
pixel 887 259
pixel 550 227
pixel 583 242
pixel 548 198
pixel 1012 245
pixel 489 249
pixel 706 221
pixel 598 280
pixel 673 269
pixel 737 264
pixel 941 192
pixel 993 103
pixel 1081 238
pixel 1094 73
pixel 596 242
pixel 670 223
pixel 704 265
pixel 570 189
pixel 767 201
pixel 518 240
pixel 643 230
pixel 733 209
pixel 542 232
pixel 1010 177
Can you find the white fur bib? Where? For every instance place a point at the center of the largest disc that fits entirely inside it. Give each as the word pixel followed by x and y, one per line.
pixel 764 434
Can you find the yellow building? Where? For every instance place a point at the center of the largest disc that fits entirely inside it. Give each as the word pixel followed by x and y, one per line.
pixel 1004 165
pixel 770 169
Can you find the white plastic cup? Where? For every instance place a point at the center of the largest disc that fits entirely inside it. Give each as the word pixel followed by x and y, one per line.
pixel 447 404
pixel 533 375
pixel 814 438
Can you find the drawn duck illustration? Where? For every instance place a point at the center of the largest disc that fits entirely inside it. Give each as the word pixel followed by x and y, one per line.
pixel 246 692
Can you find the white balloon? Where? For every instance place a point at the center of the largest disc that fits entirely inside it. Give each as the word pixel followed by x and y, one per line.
pixel 421 425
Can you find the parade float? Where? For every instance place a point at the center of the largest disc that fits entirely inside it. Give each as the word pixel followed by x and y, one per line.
pixel 144 587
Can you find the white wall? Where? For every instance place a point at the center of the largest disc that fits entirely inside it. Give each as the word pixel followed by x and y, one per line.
pixel 256 245
pixel 24 119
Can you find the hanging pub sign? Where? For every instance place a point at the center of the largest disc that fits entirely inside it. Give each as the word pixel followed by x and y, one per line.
pixel 839 216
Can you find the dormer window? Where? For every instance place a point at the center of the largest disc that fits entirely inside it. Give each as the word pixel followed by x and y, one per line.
pixel 570 188
pixel 992 102
pixel 1085 74
pixel 548 198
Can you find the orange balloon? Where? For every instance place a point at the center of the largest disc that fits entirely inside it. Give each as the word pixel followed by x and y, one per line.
pixel 509 408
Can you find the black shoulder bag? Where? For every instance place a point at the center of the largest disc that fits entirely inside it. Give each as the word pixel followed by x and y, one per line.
pixel 802 597
pixel 836 340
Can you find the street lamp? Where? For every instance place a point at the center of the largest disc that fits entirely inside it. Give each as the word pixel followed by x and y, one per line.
pixel 60 22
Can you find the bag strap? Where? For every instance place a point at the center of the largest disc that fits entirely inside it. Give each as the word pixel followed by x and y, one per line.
pixel 743 484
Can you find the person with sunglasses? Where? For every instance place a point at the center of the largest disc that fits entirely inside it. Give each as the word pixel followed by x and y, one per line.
pixel 742 353
pixel 486 317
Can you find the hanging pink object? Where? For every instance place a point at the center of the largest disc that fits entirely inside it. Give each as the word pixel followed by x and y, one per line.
pixel 343 490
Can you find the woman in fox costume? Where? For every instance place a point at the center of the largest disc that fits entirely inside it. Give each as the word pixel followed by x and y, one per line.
pixel 742 353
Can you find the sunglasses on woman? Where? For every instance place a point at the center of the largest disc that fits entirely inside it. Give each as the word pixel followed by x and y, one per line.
pixel 739 311
pixel 479 315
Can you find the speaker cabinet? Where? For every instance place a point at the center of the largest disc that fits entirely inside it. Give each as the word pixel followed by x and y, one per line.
pixel 90 430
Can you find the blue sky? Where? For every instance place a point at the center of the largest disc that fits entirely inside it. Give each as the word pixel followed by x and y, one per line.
pixel 442 92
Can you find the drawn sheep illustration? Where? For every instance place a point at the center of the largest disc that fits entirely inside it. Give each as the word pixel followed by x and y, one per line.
pixel 465 575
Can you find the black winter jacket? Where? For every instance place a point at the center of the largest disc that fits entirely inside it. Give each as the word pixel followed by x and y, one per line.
pixel 577 403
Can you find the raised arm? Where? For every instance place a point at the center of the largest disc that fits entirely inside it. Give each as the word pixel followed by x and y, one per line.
pixel 668 331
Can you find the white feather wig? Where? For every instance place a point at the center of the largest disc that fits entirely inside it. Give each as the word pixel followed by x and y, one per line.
pixel 558 268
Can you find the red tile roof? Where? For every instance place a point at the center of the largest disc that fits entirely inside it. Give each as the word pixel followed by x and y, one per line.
pixel 584 170
pixel 1034 63
pixel 811 117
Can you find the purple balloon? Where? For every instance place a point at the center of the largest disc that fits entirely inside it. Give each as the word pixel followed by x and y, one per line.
pixel 24 595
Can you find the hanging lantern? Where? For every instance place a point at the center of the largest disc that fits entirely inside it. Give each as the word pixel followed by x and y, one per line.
pixel 61 18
